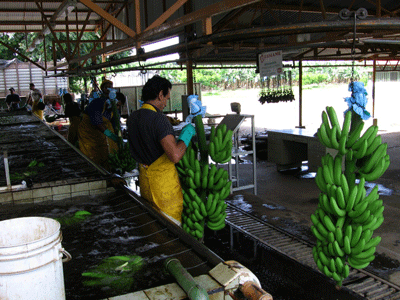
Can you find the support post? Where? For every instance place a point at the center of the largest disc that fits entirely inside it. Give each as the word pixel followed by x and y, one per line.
pixel 300 94
pixel 373 88
pixel 189 74
pixel 7 169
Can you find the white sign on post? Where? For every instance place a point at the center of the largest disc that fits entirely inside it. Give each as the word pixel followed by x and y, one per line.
pixel 270 63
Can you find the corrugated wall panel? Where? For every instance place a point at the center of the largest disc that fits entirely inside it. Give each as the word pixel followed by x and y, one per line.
pixel 20 75
pixel 11 78
pixel 3 88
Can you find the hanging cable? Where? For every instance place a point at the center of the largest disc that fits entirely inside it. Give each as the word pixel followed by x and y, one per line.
pixel 345 14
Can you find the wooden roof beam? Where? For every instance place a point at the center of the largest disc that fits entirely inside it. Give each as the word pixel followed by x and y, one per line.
pixel 169 12
pixel 22 55
pixel 198 15
pixel 108 17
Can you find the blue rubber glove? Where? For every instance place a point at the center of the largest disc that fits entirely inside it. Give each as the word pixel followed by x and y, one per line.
pixel 187 133
pixel 111 135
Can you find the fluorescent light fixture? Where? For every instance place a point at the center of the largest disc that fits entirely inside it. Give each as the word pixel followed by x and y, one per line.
pixel 66 7
pixel 162 44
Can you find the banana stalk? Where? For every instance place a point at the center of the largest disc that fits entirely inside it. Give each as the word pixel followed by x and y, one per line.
pixel 201 136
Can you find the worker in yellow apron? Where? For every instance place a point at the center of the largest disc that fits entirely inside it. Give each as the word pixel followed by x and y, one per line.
pixel 153 145
pixel 35 100
pixel 72 111
pixel 95 132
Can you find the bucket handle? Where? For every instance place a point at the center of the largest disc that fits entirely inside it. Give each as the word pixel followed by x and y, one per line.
pixel 64 252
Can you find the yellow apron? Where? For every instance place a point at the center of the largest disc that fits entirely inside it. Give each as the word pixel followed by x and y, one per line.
pixel 159 183
pixel 35 109
pixel 94 144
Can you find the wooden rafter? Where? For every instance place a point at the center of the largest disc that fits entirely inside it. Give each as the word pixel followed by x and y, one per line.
pixel 169 12
pixel 379 8
pixel 114 21
pixel 321 3
pixel 209 11
pixel 79 37
pixel 50 27
pixel 23 56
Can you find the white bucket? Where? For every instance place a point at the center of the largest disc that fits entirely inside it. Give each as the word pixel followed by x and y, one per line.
pixel 31 259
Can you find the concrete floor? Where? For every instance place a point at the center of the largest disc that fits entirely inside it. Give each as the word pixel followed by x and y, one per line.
pixel 288 198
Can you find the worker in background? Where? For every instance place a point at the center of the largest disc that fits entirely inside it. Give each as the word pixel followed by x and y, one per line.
pixel 96 135
pixel 121 101
pixel 34 98
pixel 13 100
pixel 73 113
pixel 153 145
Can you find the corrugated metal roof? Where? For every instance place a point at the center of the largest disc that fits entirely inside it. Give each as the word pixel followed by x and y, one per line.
pixel 217 31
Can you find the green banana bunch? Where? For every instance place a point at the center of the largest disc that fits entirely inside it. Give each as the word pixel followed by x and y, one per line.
pixel 193 214
pixel 115 272
pixel 368 147
pixel 122 159
pixel 204 190
pixel 346 217
pixel 78 217
pixel 220 146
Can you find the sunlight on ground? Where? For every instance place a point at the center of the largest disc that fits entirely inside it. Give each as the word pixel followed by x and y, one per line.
pixel 285 115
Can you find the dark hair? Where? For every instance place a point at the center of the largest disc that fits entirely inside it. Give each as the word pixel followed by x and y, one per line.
pixel 67 98
pixel 121 97
pixel 154 86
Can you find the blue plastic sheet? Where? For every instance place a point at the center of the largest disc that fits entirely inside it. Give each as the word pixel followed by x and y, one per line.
pixel 358 100
pixel 195 108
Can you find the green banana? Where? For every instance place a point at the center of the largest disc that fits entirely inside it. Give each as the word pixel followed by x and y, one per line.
pixel 374 145
pixel 351 199
pixel 361 152
pixel 355 135
pixel 369 132
pixel 337 170
pixel 335 207
pixel 332 116
pixel 325 139
pixel 333 138
pixel 375 157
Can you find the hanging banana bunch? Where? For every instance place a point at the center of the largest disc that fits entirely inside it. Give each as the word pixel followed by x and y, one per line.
pixel 205 186
pixel 220 146
pixel 204 190
pixel 346 218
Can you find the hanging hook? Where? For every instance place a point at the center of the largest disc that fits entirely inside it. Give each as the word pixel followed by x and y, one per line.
pixel 345 14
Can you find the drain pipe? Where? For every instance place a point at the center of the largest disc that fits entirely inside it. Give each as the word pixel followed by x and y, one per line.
pixel 249 284
pixel 185 280
pixel 253 292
